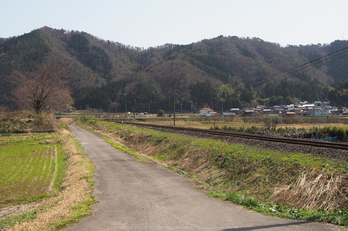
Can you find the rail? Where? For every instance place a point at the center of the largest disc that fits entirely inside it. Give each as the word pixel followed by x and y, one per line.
pixel 306 142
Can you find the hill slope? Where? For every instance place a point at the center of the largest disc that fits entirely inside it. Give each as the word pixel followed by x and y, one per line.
pixel 222 70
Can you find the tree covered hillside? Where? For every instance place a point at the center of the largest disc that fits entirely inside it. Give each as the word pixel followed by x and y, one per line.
pixel 222 72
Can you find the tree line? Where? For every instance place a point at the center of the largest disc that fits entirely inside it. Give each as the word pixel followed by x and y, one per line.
pixel 145 96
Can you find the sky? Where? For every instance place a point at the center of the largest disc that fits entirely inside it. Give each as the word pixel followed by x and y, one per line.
pixel 151 23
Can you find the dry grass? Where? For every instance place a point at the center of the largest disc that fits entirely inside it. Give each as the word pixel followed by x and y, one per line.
pixel 25 121
pixel 65 121
pixel 313 191
pixel 75 192
pixel 238 122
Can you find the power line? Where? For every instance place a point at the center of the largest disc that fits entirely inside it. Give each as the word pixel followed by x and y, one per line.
pixel 328 58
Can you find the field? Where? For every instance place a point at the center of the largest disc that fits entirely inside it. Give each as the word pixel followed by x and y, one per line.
pixel 197 121
pixel 45 182
pixel 240 123
pixel 28 168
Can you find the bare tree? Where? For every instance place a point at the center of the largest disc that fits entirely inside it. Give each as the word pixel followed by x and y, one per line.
pixel 43 90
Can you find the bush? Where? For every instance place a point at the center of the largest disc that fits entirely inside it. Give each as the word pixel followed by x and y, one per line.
pixel 160 113
pixel 89 119
pixel 18 122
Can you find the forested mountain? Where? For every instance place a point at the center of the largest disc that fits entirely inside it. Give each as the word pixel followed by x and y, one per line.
pixel 222 72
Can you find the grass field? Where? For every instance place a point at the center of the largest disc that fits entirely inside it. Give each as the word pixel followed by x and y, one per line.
pixel 30 168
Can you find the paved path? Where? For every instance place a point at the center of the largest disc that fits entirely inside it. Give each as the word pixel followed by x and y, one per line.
pixel 144 196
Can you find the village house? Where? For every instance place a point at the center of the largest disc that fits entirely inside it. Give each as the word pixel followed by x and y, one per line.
pixel 317 112
pixel 207 112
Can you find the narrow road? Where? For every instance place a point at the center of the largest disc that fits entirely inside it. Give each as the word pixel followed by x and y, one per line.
pixel 136 195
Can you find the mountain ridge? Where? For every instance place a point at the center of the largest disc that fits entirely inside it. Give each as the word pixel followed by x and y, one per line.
pixel 244 64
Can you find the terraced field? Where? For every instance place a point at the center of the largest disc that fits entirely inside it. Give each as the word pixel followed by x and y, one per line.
pixel 28 168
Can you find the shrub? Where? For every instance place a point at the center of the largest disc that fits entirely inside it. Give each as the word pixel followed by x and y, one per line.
pixel 89 119
pixel 160 113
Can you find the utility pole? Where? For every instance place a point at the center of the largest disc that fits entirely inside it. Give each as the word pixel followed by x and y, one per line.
pixel 125 102
pixel 174 108
pixel 181 109
pixel 191 108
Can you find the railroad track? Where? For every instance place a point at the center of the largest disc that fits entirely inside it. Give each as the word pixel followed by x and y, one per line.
pixel 342 146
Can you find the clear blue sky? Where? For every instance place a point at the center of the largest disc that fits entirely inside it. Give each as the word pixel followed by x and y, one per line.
pixel 146 23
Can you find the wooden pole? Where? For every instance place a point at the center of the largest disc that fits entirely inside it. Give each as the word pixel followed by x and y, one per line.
pixel 174 108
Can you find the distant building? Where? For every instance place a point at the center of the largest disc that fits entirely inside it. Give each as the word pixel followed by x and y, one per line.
pixel 267 111
pixel 317 103
pixel 290 114
pixel 205 110
pixel 248 112
pixel 236 110
pixel 273 115
pixel 307 106
pixel 228 114
pixel 317 112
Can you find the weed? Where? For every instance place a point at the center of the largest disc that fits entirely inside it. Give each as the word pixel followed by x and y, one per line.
pixel 12 220
pixel 160 157
pixel 89 119
pixel 125 149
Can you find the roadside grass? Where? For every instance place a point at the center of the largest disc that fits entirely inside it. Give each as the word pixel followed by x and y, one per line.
pixel 254 177
pixel 335 216
pixel 122 148
pixel 62 193
pixel 16 219
pixel 61 167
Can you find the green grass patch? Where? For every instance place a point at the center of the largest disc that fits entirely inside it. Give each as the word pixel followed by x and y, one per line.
pixel 160 157
pixel 27 164
pixel 61 167
pixel 87 119
pixel 125 149
pixel 82 210
pixel 12 220
pixel 336 216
